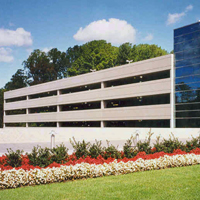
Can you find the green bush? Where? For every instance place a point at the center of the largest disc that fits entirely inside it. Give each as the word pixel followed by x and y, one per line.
pixel 96 149
pixel 14 159
pixel 33 156
pixel 81 148
pixel 59 154
pixel 44 156
pixel 129 150
pixel 169 145
pixel 40 156
pixel 193 144
pixel 145 146
pixel 111 151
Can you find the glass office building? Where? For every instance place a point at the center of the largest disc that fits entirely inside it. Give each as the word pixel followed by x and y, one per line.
pixel 187 75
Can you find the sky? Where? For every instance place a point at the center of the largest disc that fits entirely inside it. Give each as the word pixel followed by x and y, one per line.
pixel 33 24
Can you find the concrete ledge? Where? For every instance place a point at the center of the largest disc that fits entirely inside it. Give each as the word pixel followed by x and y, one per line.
pixel 27 138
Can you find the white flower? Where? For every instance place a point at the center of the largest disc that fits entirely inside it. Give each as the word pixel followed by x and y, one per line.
pixel 15 178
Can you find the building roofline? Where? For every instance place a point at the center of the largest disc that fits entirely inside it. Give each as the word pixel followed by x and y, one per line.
pixel 89 73
pixel 187 25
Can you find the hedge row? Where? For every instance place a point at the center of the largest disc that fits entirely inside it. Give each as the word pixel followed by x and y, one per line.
pixel 43 157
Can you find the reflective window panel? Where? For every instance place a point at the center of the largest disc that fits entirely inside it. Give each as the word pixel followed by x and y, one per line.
pixel 188 53
pixel 187 29
pixel 187 71
pixel 186 37
pixel 188 96
pixel 189 86
pixel 193 106
pixel 187 74
pixel 195 43
pixel 186 62
pixel 187 79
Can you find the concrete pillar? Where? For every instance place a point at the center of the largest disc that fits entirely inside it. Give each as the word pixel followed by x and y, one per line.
pixel 58 108
pixel 103 85
pixel 27 109
pixel 102 124
pixel 172 95
pixel 102 107
pixel 103 104
pixel 4 114
pixel 27 112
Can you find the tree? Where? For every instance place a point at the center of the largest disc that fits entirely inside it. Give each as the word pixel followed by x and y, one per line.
pixel 42 67
pixel 73 53
pixel 146 51
pixel 18 80
pixel 38 67
pixel 125 53
pixel 138 52
pixel 58 61
pixel 92 55
pixel 98 54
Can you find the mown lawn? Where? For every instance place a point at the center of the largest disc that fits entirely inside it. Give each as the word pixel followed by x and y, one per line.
pixel 175 183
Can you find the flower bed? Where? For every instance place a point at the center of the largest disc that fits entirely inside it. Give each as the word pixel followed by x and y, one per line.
pixel 90 168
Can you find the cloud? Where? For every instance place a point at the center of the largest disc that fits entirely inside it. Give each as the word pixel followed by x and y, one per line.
pixel 18 37
pixel 149 37
pixel 188 8
pixel 5 55
pixel 173 18
pixel 176 17
pixel 114 30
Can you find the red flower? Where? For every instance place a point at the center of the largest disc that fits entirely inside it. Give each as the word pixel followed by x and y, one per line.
pixel 72 159
pixel 153 149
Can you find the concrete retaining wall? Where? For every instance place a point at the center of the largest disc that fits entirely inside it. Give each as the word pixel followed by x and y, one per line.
pixel 26 138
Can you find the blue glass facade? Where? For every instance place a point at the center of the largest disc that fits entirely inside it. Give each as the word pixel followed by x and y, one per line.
pixel 187 75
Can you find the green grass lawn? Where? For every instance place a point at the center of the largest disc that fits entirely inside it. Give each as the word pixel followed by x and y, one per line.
pixel 175 183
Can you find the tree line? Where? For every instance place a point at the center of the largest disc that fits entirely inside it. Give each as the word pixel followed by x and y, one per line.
pixel 41 67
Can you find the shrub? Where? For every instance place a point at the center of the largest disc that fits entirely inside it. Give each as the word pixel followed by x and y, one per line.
pixel 145 146
pixel 33 156
pixel 111 151
pixel 96 149
pixel 193 144
pixel 14 159
pixel 81 148
pixel 40 156
pixel 129 150
pixel 169 145
pixel 59 154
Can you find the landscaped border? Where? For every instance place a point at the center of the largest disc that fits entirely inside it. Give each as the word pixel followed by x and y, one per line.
pixel 92 168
